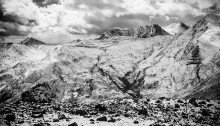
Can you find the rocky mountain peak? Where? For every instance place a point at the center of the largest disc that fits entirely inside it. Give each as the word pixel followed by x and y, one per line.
pixel 209 19
pixel 207 29
pixel 213 18
pixel 138 32
pixel 32 41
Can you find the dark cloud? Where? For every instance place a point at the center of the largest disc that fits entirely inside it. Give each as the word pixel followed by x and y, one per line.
pixel 14 29
pixel 14 25
pixel 14 18
pixel 45 3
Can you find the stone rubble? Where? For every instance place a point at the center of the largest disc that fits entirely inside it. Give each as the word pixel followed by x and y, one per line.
pixel 160 112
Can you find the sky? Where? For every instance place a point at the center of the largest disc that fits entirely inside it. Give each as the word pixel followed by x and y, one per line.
pixel 55 21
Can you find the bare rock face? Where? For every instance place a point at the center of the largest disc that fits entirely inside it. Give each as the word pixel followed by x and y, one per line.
pixel 182 66
pixel 42 93
pixel 139 32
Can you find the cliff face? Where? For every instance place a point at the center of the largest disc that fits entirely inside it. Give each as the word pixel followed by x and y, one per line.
pixel 139 32
pixel 182 66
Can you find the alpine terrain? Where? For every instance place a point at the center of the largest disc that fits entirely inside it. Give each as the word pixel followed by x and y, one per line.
pixel 172 70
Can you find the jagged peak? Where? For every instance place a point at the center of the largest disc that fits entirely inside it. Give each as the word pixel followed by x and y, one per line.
pixel 118 28
pixel 32 41
pixel 205 22
pixel 213 18
pixel 139 32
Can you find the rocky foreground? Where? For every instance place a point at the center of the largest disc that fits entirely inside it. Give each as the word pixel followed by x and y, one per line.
pixel 124 112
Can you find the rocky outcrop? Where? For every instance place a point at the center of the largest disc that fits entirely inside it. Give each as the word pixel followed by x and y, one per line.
pixel 139 32
pixel 43 93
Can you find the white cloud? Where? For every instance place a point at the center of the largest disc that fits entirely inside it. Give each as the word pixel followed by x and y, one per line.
pixel 21 8
pixel 56 18
pixel 56 15
pixel 160 7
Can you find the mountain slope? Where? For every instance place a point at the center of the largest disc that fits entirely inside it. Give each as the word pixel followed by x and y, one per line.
pixel 181 66
pixel 188 64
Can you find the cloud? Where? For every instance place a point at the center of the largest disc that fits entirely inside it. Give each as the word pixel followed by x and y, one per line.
pixel 9 28
pixel 25 14
pixel 45 3
pixel 161 7
pixel 71 18
pixel 23 8
pixel 17 17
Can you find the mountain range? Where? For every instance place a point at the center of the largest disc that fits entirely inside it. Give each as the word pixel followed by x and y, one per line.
pixel 143 62
pixel 139 32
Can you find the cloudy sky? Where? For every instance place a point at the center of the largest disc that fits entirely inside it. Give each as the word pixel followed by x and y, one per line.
pixel 66 20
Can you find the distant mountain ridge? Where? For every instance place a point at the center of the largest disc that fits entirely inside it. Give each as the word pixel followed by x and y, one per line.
pixel 31 41
pixel 139 32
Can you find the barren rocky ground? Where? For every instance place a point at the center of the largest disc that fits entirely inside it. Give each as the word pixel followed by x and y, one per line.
pixel 120 112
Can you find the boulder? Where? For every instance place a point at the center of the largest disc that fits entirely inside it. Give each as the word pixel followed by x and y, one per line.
pixel 136 122
pixel 73 124
pixel 100 107
pixel 205 112
pixel 81 112
pixel 10 117
pixel 42 124
pixel 143 111
pixel 103 118
pixel 193 102
pixel 112 120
